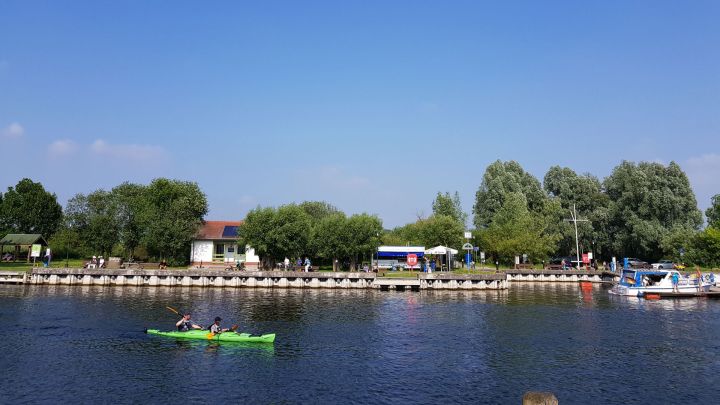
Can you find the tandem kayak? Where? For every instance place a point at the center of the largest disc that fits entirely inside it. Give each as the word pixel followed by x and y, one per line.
pixel 222 337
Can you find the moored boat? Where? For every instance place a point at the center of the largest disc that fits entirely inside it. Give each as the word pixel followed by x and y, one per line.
pixel 638 282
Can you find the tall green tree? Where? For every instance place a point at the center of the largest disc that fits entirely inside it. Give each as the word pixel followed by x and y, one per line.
pixel 449 205
pixel 129 200
pixel 514 230
pixel 500 179
pixel 29 208
pixel 94 218
pixel 585 193
pixel 713 212
pixel 171 218
pixel 363 236
pixel 647 201
pixel 277 233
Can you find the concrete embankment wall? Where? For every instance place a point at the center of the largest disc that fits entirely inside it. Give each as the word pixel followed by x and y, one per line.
pixel 273 279
pixel 287 279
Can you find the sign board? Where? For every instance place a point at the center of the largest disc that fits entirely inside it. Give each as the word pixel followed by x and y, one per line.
pixel 482 255
pixel 467 246
pixel 412 259
pixel 35 252
pixel 585 258
pixel 468 235
pixel 517 259
pixel 476 248
pixel 590 255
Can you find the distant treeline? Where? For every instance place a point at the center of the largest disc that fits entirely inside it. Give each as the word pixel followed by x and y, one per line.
pixel 156 221
pixel 645 210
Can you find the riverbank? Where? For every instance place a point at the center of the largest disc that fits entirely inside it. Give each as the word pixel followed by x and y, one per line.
pixel 289 279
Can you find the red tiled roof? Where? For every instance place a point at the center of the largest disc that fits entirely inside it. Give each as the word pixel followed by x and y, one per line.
pixel 214 229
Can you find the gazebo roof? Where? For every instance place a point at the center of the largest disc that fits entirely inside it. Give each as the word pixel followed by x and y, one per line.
pixel 22 239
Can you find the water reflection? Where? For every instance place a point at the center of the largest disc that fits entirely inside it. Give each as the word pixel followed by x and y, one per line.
pixel 360 346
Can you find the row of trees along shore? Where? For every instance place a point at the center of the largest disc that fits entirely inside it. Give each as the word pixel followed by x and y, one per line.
pixel 150 222
pixel 645 210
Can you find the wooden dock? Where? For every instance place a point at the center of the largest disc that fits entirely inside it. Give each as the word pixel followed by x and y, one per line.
pixel 713 293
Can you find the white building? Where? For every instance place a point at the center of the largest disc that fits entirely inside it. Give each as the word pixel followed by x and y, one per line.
pixel 216 245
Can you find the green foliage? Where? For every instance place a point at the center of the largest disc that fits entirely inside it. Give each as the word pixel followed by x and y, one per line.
pixel 28 208
pixel 585 192
pixel 314 229
pixel 94 219
pixel 713 213
pixel 277 233
pixel 172 214
pixel 647 200
pixel 705 248
pixel 66 243
pixel 514 230
pixel 450 206
pixel 500 179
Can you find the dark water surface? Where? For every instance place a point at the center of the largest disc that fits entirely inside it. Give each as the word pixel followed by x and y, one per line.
pixel 85 344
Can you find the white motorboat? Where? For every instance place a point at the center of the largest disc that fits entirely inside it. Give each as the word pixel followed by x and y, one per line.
pixel 638 282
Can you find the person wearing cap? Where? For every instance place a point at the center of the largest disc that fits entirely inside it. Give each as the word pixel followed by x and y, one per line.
pixel 215 327
pixel 184 324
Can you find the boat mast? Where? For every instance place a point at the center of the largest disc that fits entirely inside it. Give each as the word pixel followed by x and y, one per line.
pixel 575 220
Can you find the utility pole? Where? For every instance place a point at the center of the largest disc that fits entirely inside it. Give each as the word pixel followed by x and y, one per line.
pixel 575 220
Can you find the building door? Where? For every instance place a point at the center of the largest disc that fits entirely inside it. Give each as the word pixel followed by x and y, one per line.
pixel 219 252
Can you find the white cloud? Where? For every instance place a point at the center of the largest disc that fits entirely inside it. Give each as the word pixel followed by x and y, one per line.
pixel 704 174
pixel 63 147
pixel 127 151
pixel 13 130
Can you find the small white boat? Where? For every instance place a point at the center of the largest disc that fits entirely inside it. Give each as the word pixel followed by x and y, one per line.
pixel 638 282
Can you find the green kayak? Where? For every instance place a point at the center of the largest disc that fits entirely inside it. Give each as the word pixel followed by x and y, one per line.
pixel 222 337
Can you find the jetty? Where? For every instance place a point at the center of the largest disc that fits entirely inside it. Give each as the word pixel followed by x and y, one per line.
pixel 295 279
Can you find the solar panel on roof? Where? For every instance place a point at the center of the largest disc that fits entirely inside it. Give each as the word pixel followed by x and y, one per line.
pixel 230 231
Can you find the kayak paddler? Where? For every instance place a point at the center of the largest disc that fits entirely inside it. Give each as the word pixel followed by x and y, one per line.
pixel 184 324
pixel 215 327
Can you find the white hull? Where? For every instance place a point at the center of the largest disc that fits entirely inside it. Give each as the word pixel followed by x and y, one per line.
pixel 639 291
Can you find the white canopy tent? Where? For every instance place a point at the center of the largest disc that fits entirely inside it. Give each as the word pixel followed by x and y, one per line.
pixel 441 250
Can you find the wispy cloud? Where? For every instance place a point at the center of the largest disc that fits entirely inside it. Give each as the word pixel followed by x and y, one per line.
pixel 127 151
pixel 62 148
pixel 12 131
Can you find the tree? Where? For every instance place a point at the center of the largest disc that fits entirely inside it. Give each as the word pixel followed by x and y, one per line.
pixel 277 233
pixel 171 218
pixel 331 238
pixel 130 203
pixel 362 230
pixel 514 230
pixel 713 213
pixel 500 179
pixel 705 248
pixel 318 210
pixel 585 193
pixel 450 206
pixel 646 201
pixel 28 208
pixel 94 219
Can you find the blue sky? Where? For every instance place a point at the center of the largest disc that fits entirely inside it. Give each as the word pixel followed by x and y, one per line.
pixel 372 106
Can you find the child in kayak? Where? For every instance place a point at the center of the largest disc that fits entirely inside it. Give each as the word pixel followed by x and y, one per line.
pixel 215 327
pixel 184 324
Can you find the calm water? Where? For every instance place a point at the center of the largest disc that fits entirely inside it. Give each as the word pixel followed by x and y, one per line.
pixel 80 344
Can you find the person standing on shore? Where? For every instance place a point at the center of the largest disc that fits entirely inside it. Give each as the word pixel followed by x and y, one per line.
pixel 307 264
pixel 286 264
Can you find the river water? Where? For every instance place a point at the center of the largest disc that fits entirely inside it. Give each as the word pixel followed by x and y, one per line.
pixel 86 344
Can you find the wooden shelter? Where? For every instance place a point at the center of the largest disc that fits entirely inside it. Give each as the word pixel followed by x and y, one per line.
pixel 21 242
